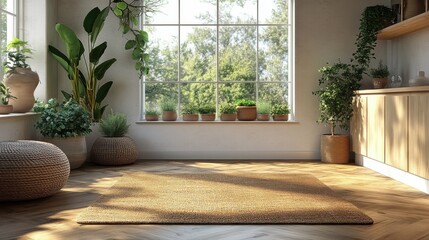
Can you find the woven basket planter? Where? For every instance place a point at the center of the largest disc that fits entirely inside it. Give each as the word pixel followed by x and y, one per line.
pixel 31 170
pixel 114 151
pixel 335 148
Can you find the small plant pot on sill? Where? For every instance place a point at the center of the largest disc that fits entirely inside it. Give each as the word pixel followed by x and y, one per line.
pixel 6 109
pixel 208 117
pixel 246 113
pixel 263 117
pixel 151 117
pixel 379 82
pixel 281 117
pixel 190 117
pixel 169 116
pixel 335 148
pixel 228 116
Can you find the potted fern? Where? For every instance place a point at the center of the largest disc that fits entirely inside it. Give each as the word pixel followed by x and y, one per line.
pixel 114 148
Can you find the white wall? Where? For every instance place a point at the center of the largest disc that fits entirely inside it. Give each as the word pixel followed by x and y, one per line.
pixel 325 31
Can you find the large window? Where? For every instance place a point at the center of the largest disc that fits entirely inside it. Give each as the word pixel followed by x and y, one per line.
pixel 211 52
pixel 8 26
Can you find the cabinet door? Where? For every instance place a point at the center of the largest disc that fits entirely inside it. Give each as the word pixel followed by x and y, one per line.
pixel 375 126
pixel 418 140
pixel 396 124
pixel 358 125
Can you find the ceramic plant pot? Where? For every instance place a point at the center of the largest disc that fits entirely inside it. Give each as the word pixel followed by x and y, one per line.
pixel 335 148
pixel 22 82
pixel 208 117
pixel 190 117
pixel 151 117
pixel 228 116
pixel 246 113
pixel 379 82
pixel 280 117
pixel 6 109
pixel 169 116
pixel 263 117
pixel 74 148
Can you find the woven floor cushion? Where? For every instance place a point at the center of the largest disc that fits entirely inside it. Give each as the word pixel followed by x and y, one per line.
pixel 31 170
pixel 114 151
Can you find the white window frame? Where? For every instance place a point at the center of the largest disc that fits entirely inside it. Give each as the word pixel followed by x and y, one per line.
pixel 15 14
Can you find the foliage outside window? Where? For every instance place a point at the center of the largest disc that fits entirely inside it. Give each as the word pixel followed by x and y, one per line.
pixel 8 27
pixel 208 52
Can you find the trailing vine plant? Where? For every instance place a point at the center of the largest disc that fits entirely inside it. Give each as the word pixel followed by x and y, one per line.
pixel 129 13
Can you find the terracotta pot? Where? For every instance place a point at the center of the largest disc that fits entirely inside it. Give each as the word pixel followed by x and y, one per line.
pixel 22 83
pixel 246 113
pixel 280 117
pixel 6 109
pixel 73 147
pixel 169 116
pixel 263 117
pixel 190 117
pixel 335 148
pixel 228 116
pixel 379 82
pixel 208 117
pixel 114 151
pixel 151 117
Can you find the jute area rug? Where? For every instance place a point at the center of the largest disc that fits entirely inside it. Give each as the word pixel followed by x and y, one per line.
pixel 220 198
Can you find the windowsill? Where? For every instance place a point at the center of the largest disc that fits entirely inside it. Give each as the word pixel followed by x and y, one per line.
pixel 13 115
pixel 216 122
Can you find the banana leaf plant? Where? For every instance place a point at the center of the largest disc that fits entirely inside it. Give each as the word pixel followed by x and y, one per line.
pixel 86 88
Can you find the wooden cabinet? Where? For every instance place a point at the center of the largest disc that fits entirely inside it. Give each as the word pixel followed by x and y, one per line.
pixel 358 125
pixel 375 127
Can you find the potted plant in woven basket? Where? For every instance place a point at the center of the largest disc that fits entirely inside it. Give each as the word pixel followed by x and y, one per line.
pixel 65 125
pixel 114 148
pixel 5 96
pixel 246 110
pixel 20 79
pixel 228 112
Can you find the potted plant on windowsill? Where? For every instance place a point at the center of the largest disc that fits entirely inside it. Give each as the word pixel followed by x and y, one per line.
pixel 280 112
pixel 190 113
pixel 65 125
pixel 169 107
pixel 246 110
pixel 228 112
pixel 20 79
pixel 5 96
pixel 263 110
pixel 114 148
pixel 379 75
pixel 151 115
pixel 207 112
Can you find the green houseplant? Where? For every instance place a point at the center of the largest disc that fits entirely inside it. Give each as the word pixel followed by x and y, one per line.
pixel 228 112
pixel 379 75
pixel 114 148
pixel 86 89
pixel 280 112
pixel 190 113
pixel 151 114
pixel 208 112
pixel 263 109
pixel 5 96
pixel 246 110
pixel 65 125
pixel 20 79
pixel 169 107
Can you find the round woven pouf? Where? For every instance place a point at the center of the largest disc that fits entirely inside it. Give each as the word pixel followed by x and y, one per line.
pixel 114 151
pixel 31 169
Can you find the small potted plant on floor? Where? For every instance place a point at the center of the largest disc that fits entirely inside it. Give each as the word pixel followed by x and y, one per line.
pixel 169 107
pixel 228 112
pixel 114 148
pixel 379 75
pixel 65 125
pixel 151 115
pixel 246 110
pixel 190 113
pixel 280 112
pixel 208 112
pixel 263 110
pixel 20 79
pixel 5 96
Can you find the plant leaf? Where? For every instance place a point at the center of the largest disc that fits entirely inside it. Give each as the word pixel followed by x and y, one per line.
pixel 70 41
pixel 98 24
pixel 66 95
pixel 121 5
pixel 101 69
pixel 117 12
pixel 130 44
pixel 90 19
pixel 62 60
pixel 97 52
pixel 102 91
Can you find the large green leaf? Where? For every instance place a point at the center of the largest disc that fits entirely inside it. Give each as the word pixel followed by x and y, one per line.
pixel 101 69
pixel 71 42
pixel 102 92
pixel 62 60
pixel 66 95
pixel 97 52
pixel 130 44
pixel 90 19
pixel 98 24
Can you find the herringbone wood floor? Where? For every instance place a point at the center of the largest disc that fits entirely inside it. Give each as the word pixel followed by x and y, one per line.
pixel 399 211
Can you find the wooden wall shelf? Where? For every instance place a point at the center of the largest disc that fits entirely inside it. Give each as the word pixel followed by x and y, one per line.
pixel 407 26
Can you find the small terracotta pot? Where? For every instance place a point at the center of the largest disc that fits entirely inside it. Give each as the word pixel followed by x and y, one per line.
pixel 280 117
pixel 151 117
pixel 169 116
pixel 208 117
pixel 6 109
pixel 190 117
pixel 228 116
pixel 246 113
pixel 379 82
pixel 263 117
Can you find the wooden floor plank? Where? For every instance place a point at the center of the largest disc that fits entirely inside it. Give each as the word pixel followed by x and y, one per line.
pixel 399 211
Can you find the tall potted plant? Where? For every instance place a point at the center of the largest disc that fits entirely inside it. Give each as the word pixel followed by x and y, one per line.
pixel 65 125
pixel 20 79
pixel 5 96
pixel 86 88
